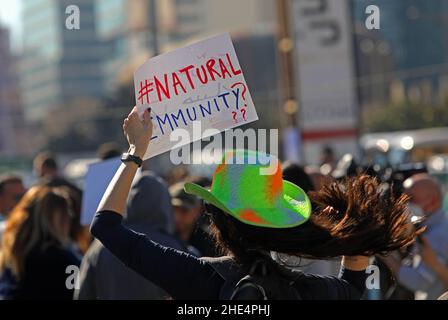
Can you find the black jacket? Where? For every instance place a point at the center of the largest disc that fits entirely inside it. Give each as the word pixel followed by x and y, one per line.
pixel 47 276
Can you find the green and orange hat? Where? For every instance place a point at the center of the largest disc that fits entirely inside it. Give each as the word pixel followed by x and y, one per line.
pixel 242 188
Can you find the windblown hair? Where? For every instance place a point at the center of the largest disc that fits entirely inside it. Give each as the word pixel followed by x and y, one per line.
pixel 355 217
pixel 32 225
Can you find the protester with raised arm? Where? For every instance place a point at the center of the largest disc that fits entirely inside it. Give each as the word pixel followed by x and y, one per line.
pixel 253 214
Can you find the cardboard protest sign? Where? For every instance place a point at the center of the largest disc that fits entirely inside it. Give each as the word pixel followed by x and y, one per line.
pixel 202 82
pixel 96 181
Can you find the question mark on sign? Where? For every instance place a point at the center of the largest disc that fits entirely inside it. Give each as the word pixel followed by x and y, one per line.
pixel 234 116
pixel 242 94
pixel 243 111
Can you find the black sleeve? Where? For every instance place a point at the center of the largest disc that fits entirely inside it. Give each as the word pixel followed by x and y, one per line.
pixel 349 286
pixel 180 274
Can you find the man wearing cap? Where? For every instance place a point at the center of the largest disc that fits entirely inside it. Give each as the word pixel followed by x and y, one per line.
pixel 189 223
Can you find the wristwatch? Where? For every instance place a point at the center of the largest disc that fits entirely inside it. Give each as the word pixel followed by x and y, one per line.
pixel 126 157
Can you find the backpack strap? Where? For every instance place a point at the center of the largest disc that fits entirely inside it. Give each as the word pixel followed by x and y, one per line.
pixel 268 280
pixel 243 284
pixel 248 289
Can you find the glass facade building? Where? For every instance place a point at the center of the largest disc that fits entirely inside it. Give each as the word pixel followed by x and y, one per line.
pixel 415 32
pixel 58 64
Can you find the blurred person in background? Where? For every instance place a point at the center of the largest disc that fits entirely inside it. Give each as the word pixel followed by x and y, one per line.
pixel 295 173
pixel 190 224
pixel 346 167
pixel 327 160
pixel 177 174
pixel 35 247
pixel 11 191
pixel 47 169
pixel 424 192
pixel 430 257
pixel 149 212
pixel 318 178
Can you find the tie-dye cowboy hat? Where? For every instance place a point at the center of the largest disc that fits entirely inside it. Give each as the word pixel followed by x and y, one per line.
pixel 242 188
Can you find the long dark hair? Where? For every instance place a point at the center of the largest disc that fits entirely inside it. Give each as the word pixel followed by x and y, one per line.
pixel 354 217
pixel 32 225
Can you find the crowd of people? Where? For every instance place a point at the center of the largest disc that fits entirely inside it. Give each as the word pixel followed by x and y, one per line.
pixel 300 233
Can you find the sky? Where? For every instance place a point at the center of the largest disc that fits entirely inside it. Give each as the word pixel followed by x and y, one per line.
pixel 10 16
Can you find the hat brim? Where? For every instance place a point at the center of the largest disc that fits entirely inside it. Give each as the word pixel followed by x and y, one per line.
pixel 293 210
pixel 204 194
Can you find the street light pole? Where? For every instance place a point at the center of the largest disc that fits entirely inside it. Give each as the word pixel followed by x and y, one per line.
pixel 154 26
pixel 288 85
pixel 285 50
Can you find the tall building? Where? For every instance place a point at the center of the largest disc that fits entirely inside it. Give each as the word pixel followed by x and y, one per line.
pixel 256 50
pixel 126 28
pixel 58 64
pixel 415 32
pixel 374 66
pixel 134 30
pixel 12 132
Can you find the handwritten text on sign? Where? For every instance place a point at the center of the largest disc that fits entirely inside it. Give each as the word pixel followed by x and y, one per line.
pixel 202 82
